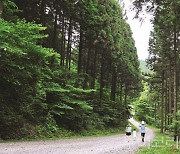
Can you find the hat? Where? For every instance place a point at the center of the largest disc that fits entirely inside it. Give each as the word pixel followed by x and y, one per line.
pixel 142 122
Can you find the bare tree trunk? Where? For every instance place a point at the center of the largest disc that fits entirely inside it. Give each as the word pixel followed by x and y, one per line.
pixel 84 61
pixel 175 80
pixel 42 13
pixel 1 8
pixel 102 76
pixel 80 51
pixel 68 53
pixel 155 111
pixel 54 32
pixel 125 94
pixel 175 38
pixel 113 84
pixel 94 70
pixel 121 91
pixel 70 58
pixel 170 96
pixel 162 104
pixel 166 103
pixel 87 68
pixel 62 42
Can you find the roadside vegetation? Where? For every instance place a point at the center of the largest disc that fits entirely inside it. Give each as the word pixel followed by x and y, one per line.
pixel 162 144
pixel 67 134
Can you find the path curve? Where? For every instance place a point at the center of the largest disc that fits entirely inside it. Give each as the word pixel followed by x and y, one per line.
pixel 116 144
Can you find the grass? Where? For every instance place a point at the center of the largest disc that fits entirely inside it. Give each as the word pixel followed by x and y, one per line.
pixel 162 144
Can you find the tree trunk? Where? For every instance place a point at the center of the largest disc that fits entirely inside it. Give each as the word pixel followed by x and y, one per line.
pixel 80 51
pixel 93 72
pixel 62 42
pixel 68 53
pixel 87 68
pixel 166 104
pixel 113 84
pixel 121 91
pixel 102 76
pixel 54 32
pixel 125 95
pixel 42 12
pixel 155 111
pixel 170 97
pixel 70 58
pixel 175 80
pixel 162 104
pixel 1 8
pixel 84 61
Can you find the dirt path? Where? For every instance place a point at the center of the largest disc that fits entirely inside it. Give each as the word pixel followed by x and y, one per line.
pixel 117 144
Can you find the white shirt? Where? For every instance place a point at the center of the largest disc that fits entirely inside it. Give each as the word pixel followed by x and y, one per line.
pixel 128 129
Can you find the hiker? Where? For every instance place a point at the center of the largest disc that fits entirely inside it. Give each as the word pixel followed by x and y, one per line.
pixel 143 130
pixel 128 130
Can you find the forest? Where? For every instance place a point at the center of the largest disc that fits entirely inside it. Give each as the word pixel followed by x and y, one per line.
pixel 159 102
pixel 72 65
pixel 65 64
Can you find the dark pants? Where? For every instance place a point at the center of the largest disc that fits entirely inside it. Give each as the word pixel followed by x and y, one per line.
pixel 128 133
pixel 142 134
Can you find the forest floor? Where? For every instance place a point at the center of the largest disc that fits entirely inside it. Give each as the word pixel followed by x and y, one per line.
pixel 116 144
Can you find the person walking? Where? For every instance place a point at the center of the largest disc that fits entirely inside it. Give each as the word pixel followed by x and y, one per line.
pixel 143 130
pixel 128 131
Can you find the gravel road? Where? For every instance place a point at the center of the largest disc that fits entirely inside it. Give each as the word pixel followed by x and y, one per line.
pixel 116 144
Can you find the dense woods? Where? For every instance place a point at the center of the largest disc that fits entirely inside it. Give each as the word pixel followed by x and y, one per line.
pixel 66 64
pixel 162 105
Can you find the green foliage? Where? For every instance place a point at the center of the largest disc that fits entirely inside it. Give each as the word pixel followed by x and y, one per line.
pixel 42 94
pixel 159 146
pixel 9 10
pixel 66 107
pixel 48 129
pixel 22 79
pixel 144 68
pixel 176 124
pixel 145 108
pixel 164 60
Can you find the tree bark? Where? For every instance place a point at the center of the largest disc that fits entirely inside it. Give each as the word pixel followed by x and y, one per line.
pixel 113 84
pixel 68 53
pixel 155 111
pixel 42 12
pixel 93 72
pixel 166 103
pixel 1 8
pixel 62 42
pixel 125 95
pixel 54 31
pixel 121 91
pixel 87 68
pixel 84 61
pixel 175 79
pixel 162 104
pixel 80 51
pixel 102 77
pixel 170 97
